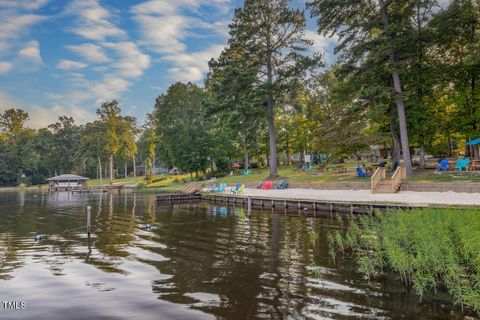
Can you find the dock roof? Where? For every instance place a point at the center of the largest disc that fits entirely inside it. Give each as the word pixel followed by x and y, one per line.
pixel 71 177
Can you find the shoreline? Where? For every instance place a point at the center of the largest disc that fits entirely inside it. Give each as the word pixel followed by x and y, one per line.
pixel 403 198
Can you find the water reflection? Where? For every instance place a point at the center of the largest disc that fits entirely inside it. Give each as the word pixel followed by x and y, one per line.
pixel 194 261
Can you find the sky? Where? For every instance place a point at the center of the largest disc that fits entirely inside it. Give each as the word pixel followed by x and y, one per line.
pixel 67 57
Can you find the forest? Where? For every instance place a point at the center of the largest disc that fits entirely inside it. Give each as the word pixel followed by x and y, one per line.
pixel 406 78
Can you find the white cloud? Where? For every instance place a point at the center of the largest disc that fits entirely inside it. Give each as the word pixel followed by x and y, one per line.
pixel 131 61
pixel 89 51
pixel 163 33
pixel 70 64
pixel 13 25
pixel 192 66
pixel 109 87
pixel 94 21
pixel 31 51
pixel 164 7
pixel 40 116
pixel 5 67
pixel 320 42
pixel 22 4
pixel 164 27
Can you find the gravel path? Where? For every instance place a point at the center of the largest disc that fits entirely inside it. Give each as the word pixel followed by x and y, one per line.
pixel 409 197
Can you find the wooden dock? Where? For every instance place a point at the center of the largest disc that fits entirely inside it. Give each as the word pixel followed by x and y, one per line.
pixel 179 197
pixel 298 205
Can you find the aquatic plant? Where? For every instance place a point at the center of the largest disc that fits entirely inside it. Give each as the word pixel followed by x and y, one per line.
pixel 426 248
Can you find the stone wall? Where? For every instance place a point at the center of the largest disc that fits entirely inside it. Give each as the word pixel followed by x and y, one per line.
pixel 469 187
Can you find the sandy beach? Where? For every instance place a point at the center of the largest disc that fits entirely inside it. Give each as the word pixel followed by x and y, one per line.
pixel 410 197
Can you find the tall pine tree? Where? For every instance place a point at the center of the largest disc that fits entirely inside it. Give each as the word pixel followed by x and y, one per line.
pixel 272 36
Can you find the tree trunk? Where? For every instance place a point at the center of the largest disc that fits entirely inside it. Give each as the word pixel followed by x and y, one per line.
pixel 134 167
pixel 100 169
pixel 106 169
pixel 126 169
pixel 246 154
pixel 271 121
pixel 110 159
pixel 395 138
pixel 422 155
pixel 288 149
pixel 153 166
pixel 450 147
pixel 397 86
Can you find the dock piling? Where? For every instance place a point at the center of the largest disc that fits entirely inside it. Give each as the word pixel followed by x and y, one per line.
pixel 89 219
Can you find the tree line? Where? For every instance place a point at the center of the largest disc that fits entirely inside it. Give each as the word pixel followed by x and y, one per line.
pixel 406 76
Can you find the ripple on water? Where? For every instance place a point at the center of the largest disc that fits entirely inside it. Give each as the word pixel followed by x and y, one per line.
pixel 196 262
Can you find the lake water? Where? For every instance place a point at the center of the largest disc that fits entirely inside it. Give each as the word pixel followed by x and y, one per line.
pixel 198 261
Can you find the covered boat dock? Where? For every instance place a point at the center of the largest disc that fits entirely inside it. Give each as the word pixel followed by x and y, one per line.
pixel 67 182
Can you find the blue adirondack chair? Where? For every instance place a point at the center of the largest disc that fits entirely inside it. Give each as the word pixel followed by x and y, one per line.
pixel 360 173
pixel 234 190
pixel 221 188
pixel 461 164
pixel 443 165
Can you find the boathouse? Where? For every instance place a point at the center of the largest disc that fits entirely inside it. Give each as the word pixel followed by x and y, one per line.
pixel 65 182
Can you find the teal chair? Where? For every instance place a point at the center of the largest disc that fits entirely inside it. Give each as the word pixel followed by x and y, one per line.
pixel 462 163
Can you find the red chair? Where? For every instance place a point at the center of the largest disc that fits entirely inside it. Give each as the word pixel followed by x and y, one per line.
pixel 267 185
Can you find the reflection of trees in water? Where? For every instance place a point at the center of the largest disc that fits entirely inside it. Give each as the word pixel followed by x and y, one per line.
pixel 9 259
pixel 254 266
pixel 113 232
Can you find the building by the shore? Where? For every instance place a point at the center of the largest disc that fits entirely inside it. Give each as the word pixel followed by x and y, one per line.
pixel 66 182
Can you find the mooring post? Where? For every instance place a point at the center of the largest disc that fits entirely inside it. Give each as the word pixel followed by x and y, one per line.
pixel 89 219
pixel 249 206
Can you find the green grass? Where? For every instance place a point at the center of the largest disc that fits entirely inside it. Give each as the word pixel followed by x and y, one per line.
pixel 287 172
pixel 178 182
pixel 448 176
pixel 428 249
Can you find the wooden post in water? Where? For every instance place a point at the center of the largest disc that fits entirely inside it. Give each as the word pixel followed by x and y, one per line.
pixel 89 219
pixel 249 206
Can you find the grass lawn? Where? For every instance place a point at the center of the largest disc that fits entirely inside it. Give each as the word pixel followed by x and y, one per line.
pixel 349 176
pixel 178 182
pixel 448 176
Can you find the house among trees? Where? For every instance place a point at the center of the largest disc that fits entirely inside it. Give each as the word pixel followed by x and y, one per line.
pixel 66 182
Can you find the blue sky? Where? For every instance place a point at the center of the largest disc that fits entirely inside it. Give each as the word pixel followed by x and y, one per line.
pixel 66 57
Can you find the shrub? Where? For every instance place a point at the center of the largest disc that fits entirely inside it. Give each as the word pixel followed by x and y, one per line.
pixel 426 248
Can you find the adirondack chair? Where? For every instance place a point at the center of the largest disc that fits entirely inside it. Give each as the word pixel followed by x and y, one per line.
pixel 443 165
pixel 212 188
pixel 283 185
pixel 360 173
pixel 221 188
pixel 234 190
pixel 395 165
pixel 267 185
pixel 461 164
pixel 240 190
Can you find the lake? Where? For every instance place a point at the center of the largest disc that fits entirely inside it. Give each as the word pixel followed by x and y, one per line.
pixel 197 261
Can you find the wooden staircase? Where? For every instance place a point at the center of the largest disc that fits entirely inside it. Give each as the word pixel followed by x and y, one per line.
pixel 193 187
pixel 381 184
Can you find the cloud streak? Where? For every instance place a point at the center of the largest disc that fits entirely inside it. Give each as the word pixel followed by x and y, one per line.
pixel 165 26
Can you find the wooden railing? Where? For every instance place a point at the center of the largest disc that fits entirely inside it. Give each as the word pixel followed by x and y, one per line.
pixel 377 176
pixel 399 177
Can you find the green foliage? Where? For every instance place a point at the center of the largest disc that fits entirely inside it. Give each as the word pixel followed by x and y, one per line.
pixel 188 137
pixel 267 59
pixel 426 248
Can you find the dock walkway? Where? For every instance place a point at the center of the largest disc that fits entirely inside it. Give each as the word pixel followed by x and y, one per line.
pixel 347 201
